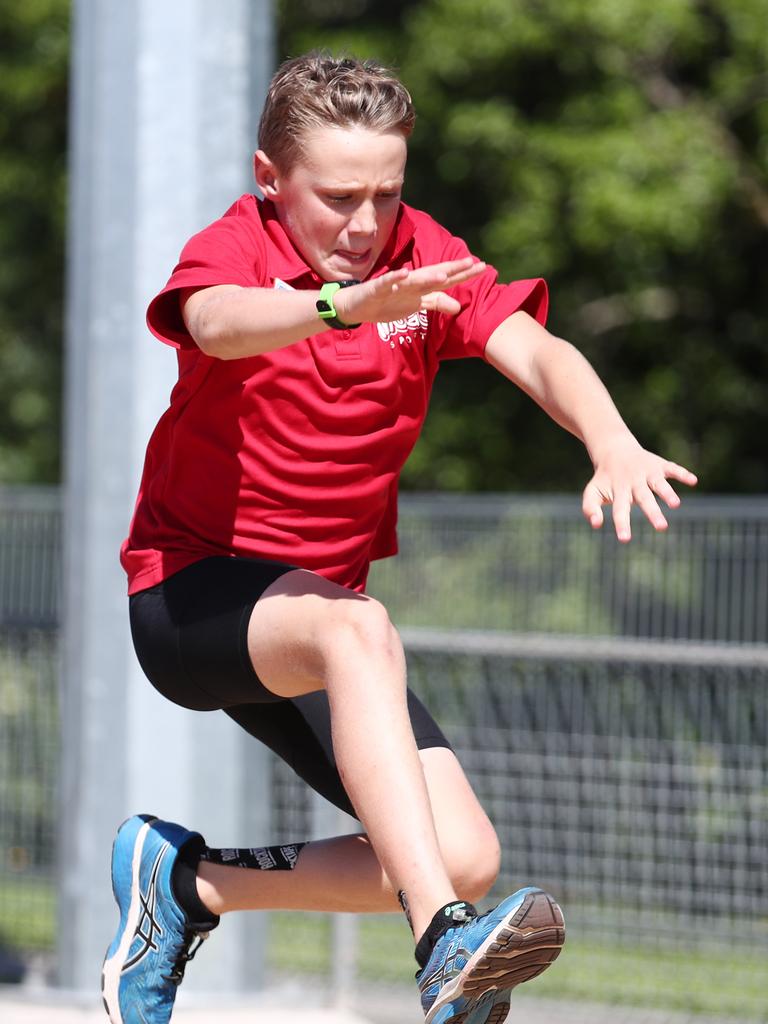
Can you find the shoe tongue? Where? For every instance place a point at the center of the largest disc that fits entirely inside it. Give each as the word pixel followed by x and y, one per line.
pixel 459 913
pixel 449 916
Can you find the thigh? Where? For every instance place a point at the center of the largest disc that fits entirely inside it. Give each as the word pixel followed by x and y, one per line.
pixel 190 632
pixel 299 624
pixel 299 731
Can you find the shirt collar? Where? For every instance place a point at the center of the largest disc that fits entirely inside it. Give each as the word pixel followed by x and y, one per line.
pixel 287 263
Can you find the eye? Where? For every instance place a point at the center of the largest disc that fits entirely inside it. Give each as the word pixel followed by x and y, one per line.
pixel 338 198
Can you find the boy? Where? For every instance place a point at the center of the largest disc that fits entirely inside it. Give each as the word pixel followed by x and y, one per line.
pixel 309 327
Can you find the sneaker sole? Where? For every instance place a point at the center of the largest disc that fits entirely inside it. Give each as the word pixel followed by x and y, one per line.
pixel 113 966
pixel 520 948
pixel 498 1013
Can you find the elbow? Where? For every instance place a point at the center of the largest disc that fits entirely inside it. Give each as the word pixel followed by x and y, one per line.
pixel 210 337
pixel 212 344
pixel 208 323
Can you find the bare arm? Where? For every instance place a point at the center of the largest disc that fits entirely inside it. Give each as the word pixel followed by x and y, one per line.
pixel 564 384
pixel 229 322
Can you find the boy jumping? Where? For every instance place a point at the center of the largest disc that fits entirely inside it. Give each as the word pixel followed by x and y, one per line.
pixel 309 326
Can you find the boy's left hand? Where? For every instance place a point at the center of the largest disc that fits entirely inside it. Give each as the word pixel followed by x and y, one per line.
pixel 625 475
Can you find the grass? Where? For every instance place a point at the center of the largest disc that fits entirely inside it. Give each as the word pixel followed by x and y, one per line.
pixel 725 982
pixel 729 983
pixel 27 912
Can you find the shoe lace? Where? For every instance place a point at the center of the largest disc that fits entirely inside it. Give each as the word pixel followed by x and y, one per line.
pixel 186 953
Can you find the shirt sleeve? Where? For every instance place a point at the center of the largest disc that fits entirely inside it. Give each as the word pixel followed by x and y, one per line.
pixel 484 305
pixel 229 251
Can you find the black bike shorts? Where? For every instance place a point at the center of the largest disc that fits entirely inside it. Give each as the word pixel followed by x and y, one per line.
pixel 190 633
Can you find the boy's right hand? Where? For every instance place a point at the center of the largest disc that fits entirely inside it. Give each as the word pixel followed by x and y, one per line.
pixel 399 293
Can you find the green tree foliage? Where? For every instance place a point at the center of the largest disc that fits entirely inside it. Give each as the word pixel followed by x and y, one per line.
pixel 33 102
pixel 619 150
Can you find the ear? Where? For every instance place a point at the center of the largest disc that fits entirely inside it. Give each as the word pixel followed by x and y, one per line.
pixel 265 174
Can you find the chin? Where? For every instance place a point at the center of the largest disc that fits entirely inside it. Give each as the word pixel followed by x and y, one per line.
pixel 358 273
pixel 345 271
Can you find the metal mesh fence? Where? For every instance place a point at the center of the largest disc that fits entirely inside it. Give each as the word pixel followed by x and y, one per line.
pixel 30 565
pixel 635 790
pixel 609 704
pixel 28 774
pixel 30 558
pixel 531 565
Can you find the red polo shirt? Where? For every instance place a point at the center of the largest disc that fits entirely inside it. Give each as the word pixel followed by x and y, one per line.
pixel 294 455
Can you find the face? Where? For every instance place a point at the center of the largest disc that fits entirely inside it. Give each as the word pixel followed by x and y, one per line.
pixel 339 202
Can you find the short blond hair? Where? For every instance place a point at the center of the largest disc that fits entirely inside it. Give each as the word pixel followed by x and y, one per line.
pixel 317 90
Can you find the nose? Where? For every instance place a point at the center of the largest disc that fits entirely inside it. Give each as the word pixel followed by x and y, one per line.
pixel 363 220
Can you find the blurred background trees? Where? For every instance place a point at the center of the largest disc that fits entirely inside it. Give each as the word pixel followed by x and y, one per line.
pixel 33 118
pixel 619 150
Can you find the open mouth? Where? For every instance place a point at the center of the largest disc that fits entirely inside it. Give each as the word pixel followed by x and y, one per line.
pixel 354 258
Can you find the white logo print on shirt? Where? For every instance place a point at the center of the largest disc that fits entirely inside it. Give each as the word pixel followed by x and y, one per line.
pixel 404 331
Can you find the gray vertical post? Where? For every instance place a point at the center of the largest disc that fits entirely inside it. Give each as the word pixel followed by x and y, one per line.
pixel 328 820
pixel 165 102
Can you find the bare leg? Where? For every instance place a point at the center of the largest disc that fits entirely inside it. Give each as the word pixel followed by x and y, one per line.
pixel 467 840
pixel 307 634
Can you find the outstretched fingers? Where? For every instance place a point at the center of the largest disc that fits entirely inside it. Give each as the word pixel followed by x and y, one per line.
pixel 440 276
pixel 676 472
pixel 621 499
pixel 625 485
pixel 401 292
pixel 642 496
pixel 592 505
pixel 475 268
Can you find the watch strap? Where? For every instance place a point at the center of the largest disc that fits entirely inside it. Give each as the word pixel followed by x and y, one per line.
pixel 326 309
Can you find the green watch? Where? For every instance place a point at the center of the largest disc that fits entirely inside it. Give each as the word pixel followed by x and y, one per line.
pixel 325 307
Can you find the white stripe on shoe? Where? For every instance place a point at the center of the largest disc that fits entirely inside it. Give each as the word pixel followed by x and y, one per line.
pixel 113 966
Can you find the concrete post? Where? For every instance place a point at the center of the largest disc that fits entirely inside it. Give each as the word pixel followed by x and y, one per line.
pixel 165 103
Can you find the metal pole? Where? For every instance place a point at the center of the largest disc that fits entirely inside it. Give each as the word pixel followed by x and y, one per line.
pixel 165 97
pixel 328 820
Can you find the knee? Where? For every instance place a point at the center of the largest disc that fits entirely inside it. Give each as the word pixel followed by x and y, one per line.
pixel 362 625
pixel 473 861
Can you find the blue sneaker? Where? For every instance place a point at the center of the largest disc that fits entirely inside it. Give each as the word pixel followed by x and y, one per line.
pixel 473 966
pixel 145 962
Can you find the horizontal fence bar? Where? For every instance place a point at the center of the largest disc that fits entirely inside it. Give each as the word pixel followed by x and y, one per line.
pixel 734 507
pixel 549 647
